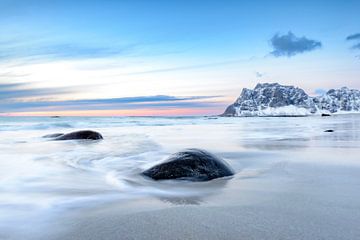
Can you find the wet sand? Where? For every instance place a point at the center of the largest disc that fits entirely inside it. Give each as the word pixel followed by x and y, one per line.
pixel 307 202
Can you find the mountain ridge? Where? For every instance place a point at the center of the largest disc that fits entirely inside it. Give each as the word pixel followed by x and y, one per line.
pixel 274 99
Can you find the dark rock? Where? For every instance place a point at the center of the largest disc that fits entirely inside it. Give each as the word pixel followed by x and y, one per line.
pixel 325 115
pixel 86 134
pixel 329 130
pixel 192 165
pixel 54 135
pixel 229 111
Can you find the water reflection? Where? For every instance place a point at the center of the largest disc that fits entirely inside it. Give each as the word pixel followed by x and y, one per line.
pixel 281 144
pixel 280 135
pixel 179 192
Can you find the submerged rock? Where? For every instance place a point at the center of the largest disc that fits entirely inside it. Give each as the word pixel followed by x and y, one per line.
pixel 86 134
pixel 54 135
pixel 190 164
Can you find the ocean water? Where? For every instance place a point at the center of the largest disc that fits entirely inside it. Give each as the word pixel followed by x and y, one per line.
pixel 41 179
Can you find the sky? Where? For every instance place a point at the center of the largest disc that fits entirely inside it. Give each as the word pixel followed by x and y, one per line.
pixel 162 58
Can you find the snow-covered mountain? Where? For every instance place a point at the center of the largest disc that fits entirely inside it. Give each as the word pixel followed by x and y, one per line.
pixel 339 100
pixel 273 99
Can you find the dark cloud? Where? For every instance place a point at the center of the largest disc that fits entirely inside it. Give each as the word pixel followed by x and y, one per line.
pixel 289 45
pixel 354 37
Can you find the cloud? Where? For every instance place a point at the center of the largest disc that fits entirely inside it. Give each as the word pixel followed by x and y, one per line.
pixel 158 101
pixel 22 97
pixel 356 46
pixel 189 67
pixel 290 45
pixel 18 91
pixel 354 37
pixel 42 50
pixel 8 75
pixel 259 74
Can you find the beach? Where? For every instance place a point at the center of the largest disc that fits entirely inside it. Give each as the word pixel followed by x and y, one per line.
pixel 292 179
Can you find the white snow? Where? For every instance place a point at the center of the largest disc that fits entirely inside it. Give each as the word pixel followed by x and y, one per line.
pixel 290 110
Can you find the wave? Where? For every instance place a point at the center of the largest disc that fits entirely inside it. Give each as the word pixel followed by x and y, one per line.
pixel 50 126
pixel 38 126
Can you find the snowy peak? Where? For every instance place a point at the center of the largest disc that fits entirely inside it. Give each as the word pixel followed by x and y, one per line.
pixel 340 100
pixel 273 99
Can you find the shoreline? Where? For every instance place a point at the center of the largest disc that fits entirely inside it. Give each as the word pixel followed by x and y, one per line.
pixel 293 181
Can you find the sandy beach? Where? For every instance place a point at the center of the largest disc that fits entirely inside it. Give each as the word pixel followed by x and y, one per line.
pixel 301 183
pixel 329 210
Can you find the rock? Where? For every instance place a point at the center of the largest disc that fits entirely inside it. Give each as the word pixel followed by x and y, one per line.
pixel 329 130
pixel 230 111
pixel 192 165
pixel 54 135
pixel 86 134
pixel 325 115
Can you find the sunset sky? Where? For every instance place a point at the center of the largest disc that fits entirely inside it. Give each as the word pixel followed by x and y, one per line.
pixel 131 57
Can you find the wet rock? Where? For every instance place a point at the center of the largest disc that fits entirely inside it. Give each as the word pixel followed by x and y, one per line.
pixel 329 130
pixel 192 165
pixel 86 134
